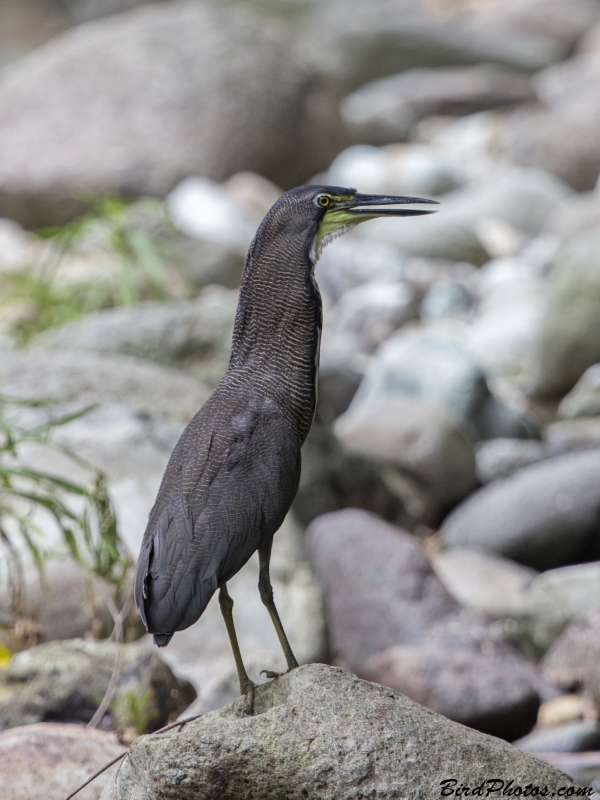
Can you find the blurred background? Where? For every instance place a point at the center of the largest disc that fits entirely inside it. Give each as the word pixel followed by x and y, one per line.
pixel 445 540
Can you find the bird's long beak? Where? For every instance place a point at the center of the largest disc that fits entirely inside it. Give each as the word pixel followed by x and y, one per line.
pixel 362 205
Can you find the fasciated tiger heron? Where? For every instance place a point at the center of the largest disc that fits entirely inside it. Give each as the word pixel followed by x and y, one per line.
pixel 235 470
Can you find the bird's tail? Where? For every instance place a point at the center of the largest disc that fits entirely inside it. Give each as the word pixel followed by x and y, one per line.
pixel 162 639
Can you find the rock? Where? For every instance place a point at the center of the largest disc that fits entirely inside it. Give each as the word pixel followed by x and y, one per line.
pixel 573 737
pixel 545 515
pixel 388 612
pixel 579 213
pixel 83 10
pixel 569 339
pixel 564 708
pixel 555 599
pixel 354 44
pixel 386 110
pixel 460 685
pixel 522 198
pixel 49 760
pixel 499 458
pixel 183 109
pixel 445 299
pixel 415 170
pixel 584 398
pixel 416 437
pixel 66 681
pixel 302 742
pixel 202 653
pixel 573 434
pixel 572 661
pixel 435 368
pixel 373 312
pixel 88 378
pixel 583 768
pixel 559 135
pixel 493 587
pixel 193 335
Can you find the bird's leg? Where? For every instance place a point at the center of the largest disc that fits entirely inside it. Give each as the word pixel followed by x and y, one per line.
pixel 266 595
pixel 246 685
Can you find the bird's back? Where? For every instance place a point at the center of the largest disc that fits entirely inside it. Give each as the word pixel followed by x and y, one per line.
pixel 227 488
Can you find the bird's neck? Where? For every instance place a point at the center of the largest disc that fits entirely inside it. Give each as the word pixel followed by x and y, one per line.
pixel 277 328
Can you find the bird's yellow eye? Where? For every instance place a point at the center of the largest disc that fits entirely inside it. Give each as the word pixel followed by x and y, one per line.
pixel 324 201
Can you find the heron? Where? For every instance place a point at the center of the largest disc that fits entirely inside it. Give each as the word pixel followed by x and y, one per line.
pixel 234 472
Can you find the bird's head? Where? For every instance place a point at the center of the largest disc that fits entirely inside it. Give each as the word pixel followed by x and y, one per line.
pixel 326 212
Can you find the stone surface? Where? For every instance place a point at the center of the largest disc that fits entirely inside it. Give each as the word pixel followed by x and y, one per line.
pixel 522 198
pixel 194 335
pixel 416 437
pixel 386 110
pixel 467 687
pixel 584 398
pixel 573 737
pixel 499 458
pixel 49 760
pixel 583 768
pixel 88 378
pixel 391 620
pixel 320 732
pixel 546 515
pixel 445 299
pixel 491 586
pixel 66 681
pixel 134 103
pixel 573 434
pixel 355 43
pixel 202 653
pixel 569 339
pixel 573 659
pixel 555 599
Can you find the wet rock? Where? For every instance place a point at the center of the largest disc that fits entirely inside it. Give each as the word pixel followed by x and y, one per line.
pixel 193 335
pixel 202 653
pixel 66 681
pixel 96 72
pixel 493 587
pixel 574 737
pixel 49 760
pixel 499 458
pixel 380 593
pixel 301 742
pixel 88 378
pixel 555 599
pixel 386 110
pixel 438 679
pixel 569 339
pixel 355 44
pixel 522 198
pixel 545 515
pixel 584 398
pixel 573 659
pixel 416 437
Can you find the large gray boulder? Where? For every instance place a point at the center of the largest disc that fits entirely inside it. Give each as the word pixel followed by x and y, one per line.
pixel 194 335
pixel 66 681
pixel 574 658
pixel 133 103
pixel 569 339
pixel 392 621
pixel 386 110
pixel 355 42
pixel 545 515
pixel 49 760
pixel 320 732
pixel 584 398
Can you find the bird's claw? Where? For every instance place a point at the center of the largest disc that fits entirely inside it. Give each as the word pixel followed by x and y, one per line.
pixel 270 675
pixel 248 710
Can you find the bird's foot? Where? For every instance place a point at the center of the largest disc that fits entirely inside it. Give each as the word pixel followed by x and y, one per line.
pixel 270 675
pixel 249 705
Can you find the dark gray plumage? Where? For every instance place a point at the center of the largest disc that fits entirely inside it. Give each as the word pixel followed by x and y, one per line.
pixel 234 472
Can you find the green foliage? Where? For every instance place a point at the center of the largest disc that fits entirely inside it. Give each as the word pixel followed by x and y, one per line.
pixel 133 710
pixel 137 238
pixel 82 512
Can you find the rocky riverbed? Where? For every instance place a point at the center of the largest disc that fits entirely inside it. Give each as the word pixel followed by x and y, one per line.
pixel 445 539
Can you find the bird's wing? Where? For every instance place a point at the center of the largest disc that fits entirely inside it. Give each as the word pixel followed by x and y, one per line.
pixel 225 494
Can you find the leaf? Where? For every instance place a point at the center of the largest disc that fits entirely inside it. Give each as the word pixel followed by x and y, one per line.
pixel 5 656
